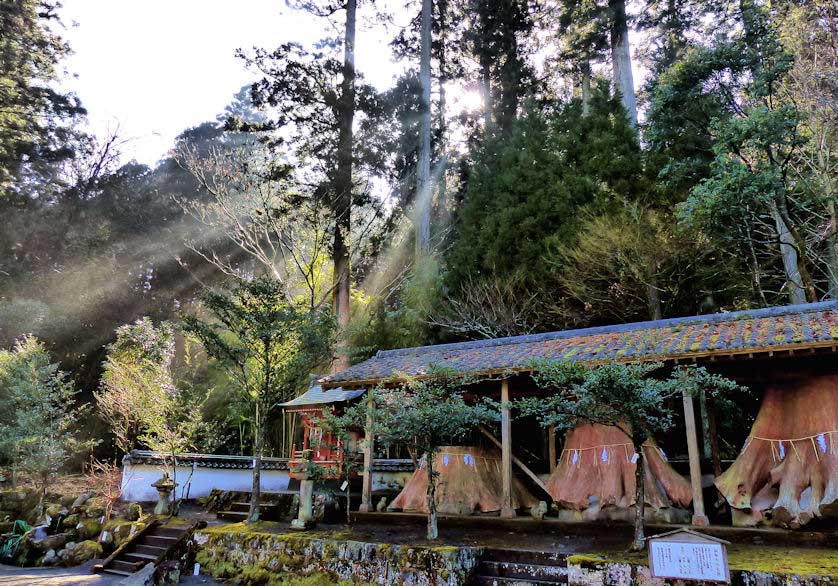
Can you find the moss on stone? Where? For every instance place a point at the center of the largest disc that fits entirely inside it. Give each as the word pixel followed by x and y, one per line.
pixel 249 554
pixel 580 559
pixel 801 561
pixel 783 560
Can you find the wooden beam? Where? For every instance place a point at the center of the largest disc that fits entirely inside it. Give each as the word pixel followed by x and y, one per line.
pixel 533 476
pixel 699 518
pixel 551 447
pixel 507 511
pixel 369 443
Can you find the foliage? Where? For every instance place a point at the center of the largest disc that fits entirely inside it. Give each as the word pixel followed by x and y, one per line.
pixel 136 380
pixel 141 402
pixel 527 189
pixel 632 264
pixel 422 415
pixel 40 433
pixel 279 226
pixel 398 315
pixel 490 308
pixel 104 479
pixel 746 196
pixel 267 345
pixel 35 118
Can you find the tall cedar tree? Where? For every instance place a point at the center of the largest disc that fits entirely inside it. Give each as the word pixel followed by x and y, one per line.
pixel 527 189
pixel 268 347
pixel 424 188
pixel 35 118
pixel 303 88
pixel 498 34
pixel 587 29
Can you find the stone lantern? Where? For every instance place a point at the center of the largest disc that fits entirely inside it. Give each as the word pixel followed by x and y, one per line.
pixel 164 487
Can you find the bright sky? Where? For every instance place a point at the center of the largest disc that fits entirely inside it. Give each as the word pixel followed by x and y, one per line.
pixel 157 67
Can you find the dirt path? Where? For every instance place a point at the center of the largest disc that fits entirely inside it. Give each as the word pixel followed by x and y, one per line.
pixel 79 576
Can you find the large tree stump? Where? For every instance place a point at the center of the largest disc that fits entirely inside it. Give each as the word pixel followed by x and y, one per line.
pixel 787 472
pixel 596 471
pixel 469 481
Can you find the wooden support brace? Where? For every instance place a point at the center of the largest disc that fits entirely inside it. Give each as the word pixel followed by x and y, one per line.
pixel 533 476
pixel 551 447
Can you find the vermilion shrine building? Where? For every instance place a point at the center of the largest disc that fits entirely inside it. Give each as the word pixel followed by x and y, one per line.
pixel 777 465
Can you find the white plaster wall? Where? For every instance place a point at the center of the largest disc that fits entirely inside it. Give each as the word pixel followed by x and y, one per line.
pixel 137 480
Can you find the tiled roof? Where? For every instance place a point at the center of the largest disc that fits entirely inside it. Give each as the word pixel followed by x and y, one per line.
pixel 316 395
pixel 789 327
pixel 137 457
pixel 204 460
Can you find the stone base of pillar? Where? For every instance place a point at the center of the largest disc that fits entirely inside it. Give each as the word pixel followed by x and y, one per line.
pixel 701 521
pixel 305 517
pixel 365 508
pixel 299 525
pixel 508 513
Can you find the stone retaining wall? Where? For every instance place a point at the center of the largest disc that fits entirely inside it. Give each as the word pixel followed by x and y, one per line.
pixel 254 557
pixel 259 555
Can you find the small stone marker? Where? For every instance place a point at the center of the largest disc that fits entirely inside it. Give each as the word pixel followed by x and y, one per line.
pixel 688 555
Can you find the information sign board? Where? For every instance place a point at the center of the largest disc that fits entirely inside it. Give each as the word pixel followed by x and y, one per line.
pixel 688 555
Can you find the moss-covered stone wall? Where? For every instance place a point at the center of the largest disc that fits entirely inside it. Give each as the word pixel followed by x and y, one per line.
pixel 589 571
pixel 260 555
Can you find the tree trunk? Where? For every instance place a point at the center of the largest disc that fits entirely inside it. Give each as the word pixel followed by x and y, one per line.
pixel 586 87
pixel 787 472
pixel 348 501
pixel 621 59
pixel 342 196
pixel 639 543
pixel 256 490
pixel 42 496
pixel 422 203
pixel 433 529
pixel 486 90
pixel 789 254
pixel 654 299
pixel 442 216
pixel 174 510
pixel 712 430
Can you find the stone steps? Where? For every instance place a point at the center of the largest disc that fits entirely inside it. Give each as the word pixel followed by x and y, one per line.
pixel 499 581
pixel 512 567
pixel 239 510
pixel 150 547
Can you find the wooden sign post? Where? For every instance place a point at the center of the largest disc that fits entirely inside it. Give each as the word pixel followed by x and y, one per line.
pixel 688 555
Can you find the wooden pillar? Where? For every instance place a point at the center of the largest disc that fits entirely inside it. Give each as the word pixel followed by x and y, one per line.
pixel 507 511
pixel 699 518
pixel 551 447
pixel 369 444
